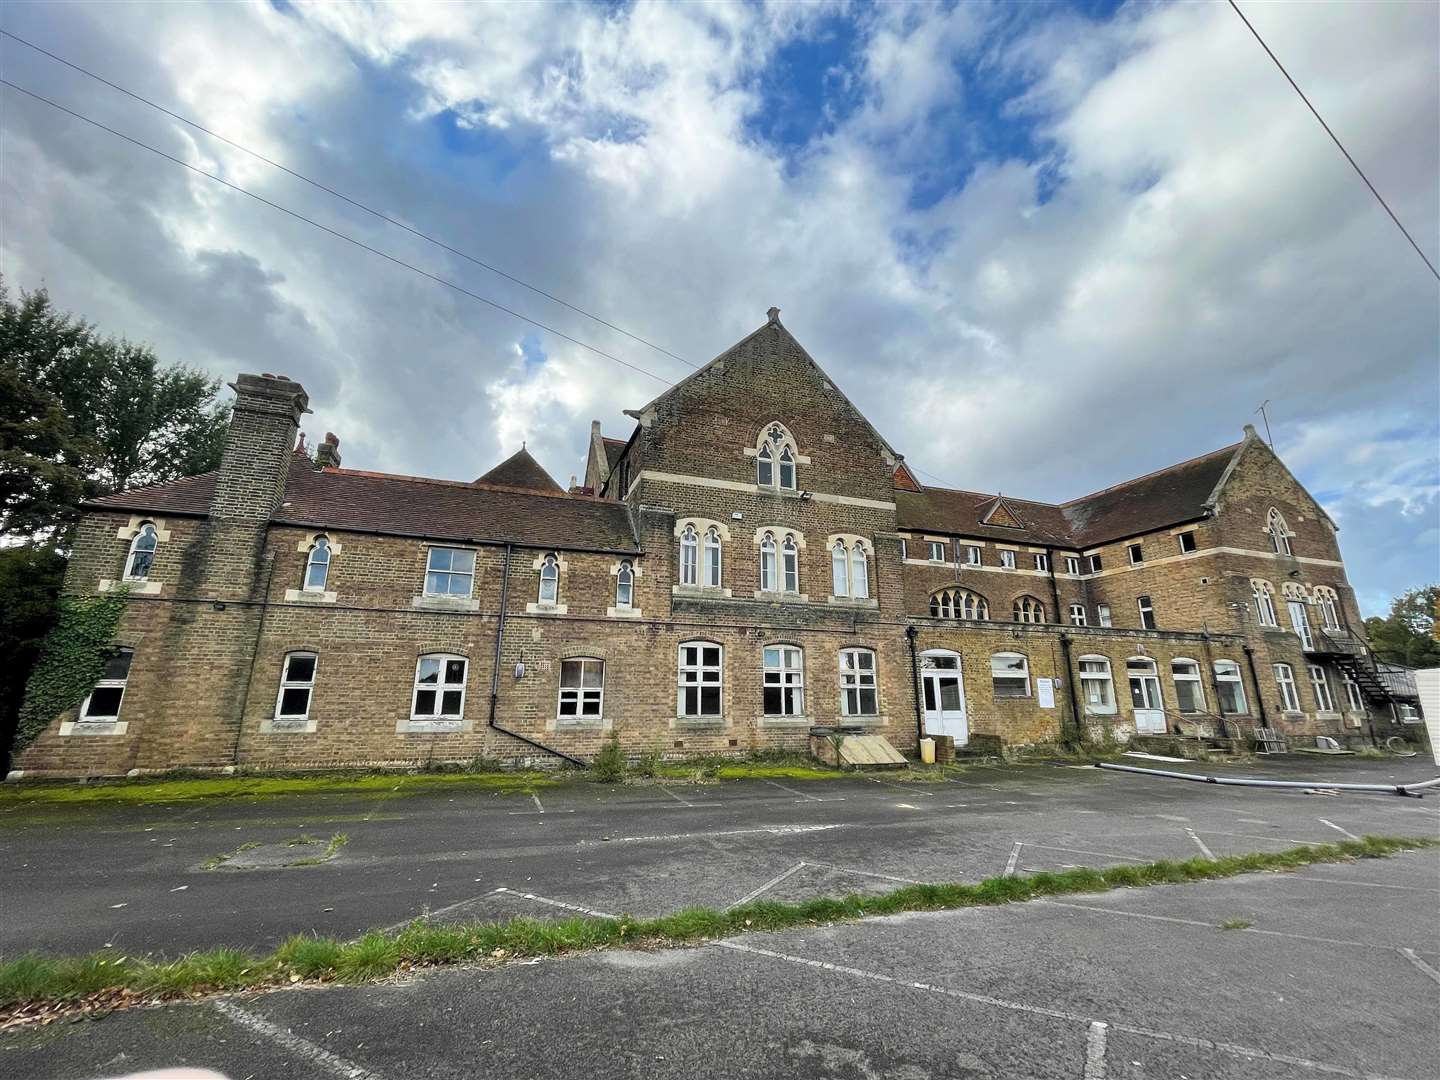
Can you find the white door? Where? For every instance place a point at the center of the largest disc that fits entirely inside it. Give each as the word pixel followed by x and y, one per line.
pixel 1300 620
pixel 944 696
pixel 1145 697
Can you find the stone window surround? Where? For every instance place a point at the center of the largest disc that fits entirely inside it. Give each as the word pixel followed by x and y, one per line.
pixel 433 602
pixel 562 569
pixel 577 722
pixel 268 721
pixel 405 724
pixel 615 611
pixel 303 595
pixel 850 540
pixel 101 727
pixel 702 526
pixel 127 533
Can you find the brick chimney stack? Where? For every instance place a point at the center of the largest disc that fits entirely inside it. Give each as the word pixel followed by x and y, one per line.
pixel 327 454
pixel 257 454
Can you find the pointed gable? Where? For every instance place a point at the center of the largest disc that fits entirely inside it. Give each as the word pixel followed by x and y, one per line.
pixel 520 470
pixel 905 479
pixel 999 513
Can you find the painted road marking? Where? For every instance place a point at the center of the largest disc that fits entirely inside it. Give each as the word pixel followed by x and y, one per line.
pixel 771 830
pixel 864 873
pixel 316 1055
pixel 557 903
pixel 1420 965
pixel 677 798
pixel 763 889
pixel 538 804
pixel 804 794
pixel 903 787
pixel 1014 858
pixel 1083 851
pixel 1200 844
pixel 1358 884
pixel 1337 828
pixel 1095 1051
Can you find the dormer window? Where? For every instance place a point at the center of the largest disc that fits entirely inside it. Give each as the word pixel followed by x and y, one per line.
pixel 775 460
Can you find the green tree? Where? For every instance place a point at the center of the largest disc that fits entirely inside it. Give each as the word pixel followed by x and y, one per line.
pixel 30 579
pixel 1408 635
pixel 42 464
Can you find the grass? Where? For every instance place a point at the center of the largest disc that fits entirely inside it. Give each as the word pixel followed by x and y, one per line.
pixel 1236 924
pixel 225 856
pixel 36 980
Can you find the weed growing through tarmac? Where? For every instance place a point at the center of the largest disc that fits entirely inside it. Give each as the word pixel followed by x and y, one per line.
pixel 34 985
pixel 1236 924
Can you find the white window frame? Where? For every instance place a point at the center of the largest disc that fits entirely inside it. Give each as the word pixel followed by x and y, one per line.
pixel 450 573
pixel 1099 674
pixel 790 564
pixel 857 681
pixel 146 546
pixel 953 603
pixel 1299 614
pixel 859 572
pixel 904 549
pixel 1027 609
pixel 1042 562
pixel 769 564
pixel 289 682
pixel 83 714
pixel 1188 534
pixel 1320 688
pixel 1147 608
pixel 1102 615
pixel 1285 682
pixel 785 675
pixel 1354 696
pixel 972 555
pixel 1072 565
pixel 1078 615
pixel 580 695
pixel 625 585
pixel 711 558
pixel 936 549
pixel 1136 552
pixel 776 459
pixel 839 570
pixel 319 556
pixel 440 688
pixel 689 556
pixel 549 576
pixel 1279 531
pixel 1329 603
pixel 1190 678
pixel 765 466
pixel 1264 595
pixel 1096 563
pixel 1008 675
pixel 692 676
pixel 1007 559
pixel 1227 674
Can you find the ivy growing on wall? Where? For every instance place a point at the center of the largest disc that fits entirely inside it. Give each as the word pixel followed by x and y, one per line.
pixel 71 662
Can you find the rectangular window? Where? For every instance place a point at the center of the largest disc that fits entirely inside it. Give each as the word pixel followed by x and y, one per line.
pixel 700 679
pixel 1010 675
pixel 972 555
pixel 439 688
pixel 1042 562
pixel 904 550
pixel 1072 564
pixel 1189 693
pixel 1353 697
pixel 297 680
pixel 1147 613
pixel 1187 543
pixel 1230 688
pixel 1300 623
pixel 937 551
pixel 1095 564
pixel 1324 700
pixel 1102 614
pixel 1077 614
pixel 1097 689
pixel 1285 681
pixel 582 689
pixel 1136 553
pixel 449 572
pixel 784 681
pixel 1007 559
pixel 858 695
pixel 102 706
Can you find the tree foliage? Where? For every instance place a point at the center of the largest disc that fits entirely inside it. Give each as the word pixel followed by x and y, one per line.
pixel 1408 635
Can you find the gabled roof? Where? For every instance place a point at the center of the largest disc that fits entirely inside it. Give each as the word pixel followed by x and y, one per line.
pixel 944 510
pixel 520 470
pixel 412 506
pixel 613 449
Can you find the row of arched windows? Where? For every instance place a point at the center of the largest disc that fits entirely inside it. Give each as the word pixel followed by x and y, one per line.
pixel 779 564
pixel 1298 602
pixel 963 604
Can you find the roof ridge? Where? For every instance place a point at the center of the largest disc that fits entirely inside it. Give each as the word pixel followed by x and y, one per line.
pixel 1155 472
pixel 988 497
pixel 470 485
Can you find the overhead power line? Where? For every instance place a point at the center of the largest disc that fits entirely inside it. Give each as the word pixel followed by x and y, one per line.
pixel 337 234
pixel 343 197
pixel 1336 140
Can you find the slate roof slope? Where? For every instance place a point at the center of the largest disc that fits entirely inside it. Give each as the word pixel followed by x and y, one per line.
pixel 1157 500
pixel 413 506
pixel 522 471
pixel 613 449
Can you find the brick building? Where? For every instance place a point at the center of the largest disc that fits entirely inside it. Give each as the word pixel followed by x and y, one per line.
pixel 753 560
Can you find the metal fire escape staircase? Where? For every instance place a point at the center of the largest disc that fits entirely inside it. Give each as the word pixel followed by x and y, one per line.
pixel 1380 683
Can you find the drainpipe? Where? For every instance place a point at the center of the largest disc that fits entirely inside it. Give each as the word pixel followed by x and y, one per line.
pixel 1054 587
pixel 1255 678
pixel 911 633
pixel 1077 728
pixel 495 671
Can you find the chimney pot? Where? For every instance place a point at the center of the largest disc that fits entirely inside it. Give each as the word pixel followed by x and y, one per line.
pixel 773 314
pixel 327 454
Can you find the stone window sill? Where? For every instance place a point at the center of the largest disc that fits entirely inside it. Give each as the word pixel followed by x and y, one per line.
pixel 406 726
pixel 782 597
pixel 289 725
pixel 134 586
pixel 700 592
pixel 867 602
pixel 309 596
pixel 444 603
pixel 785 721
pixel 697 723
pixel 546 609
pixel 623 613
pixel 92 727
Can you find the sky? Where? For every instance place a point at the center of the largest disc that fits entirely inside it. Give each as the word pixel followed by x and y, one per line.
pixel 1045 247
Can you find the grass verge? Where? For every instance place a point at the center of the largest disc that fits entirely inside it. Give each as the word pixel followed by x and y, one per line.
pixel 35 986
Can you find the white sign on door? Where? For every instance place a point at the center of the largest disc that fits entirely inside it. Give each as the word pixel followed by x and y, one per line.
pixel 1045 692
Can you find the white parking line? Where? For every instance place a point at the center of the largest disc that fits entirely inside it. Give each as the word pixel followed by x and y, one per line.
pixel 763 889
pixel 1420 965
pixel 677 798
pixel 1195 1042
pixel 438 911
pixel 1337 828
pixel 903 787
pixel 1083 851
pixel 1358 884
pixel 1014 858
pixel 804 794
pixel 316 1055
pixel 538 804
pixel 557 903
pixel 1200 844
pixel 1095 1051
pixel 771 830
pixel 864 873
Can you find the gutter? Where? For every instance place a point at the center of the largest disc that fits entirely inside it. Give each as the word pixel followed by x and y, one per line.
pixel 495 671
pixel 1078 730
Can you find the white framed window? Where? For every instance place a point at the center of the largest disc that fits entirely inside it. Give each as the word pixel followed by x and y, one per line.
pixel 439 687
pixel 972 555
pixel 904 549
pixel 1279 532
pixel 1189 690
pixel 102 704
pixel 787 469
pixel 297 683
pixel 849 570
pixel 1010 675
pixel 1095 564
pixel 959 604
pixel 701 678
pixel 1072 564
pixel 859 695
pixel 317 565
pixel 769 570
pixel 1102 614
pixel 839 570
pixel 1187 542
pixel 1077 614
pixel 1264 596
pixel 550 580
pixel 1231 688
pixel 1285 681
pixel 1406 713
pixel 1097 686
pixel 449 572
pixel 1353 697
pixel 1320 684
pixel 141 556
pixel 1042 562
pixel 712 557
pixel 1329 602
pixel 1145 695
pixel 790 564
pixel 1300 622
pixel 937 551
pixel 765 466
pixel 859 572
pixel 1027 609
pixel 582 689
pixel 775 459
pixel 1007 558
pixel 689 556
pixel 1147 612
pixel 624 585
pixel 1136 553
pixel 784 689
